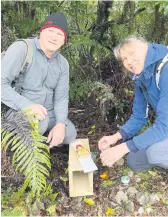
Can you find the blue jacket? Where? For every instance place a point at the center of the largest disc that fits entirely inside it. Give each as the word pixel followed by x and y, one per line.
pixel 158 99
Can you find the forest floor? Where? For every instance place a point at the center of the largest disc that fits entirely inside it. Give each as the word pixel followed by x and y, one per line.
pixel 146 194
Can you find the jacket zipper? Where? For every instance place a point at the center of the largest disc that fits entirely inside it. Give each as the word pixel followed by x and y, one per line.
pixel 146 94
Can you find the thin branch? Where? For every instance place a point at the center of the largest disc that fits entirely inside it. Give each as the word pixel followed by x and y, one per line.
pixel 121 20
pixel 76 20
pixel 61 3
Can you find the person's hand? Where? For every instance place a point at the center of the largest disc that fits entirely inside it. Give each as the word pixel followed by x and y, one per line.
pixel 111 155
pixel 38 110
pixel 56 135
pixel 106 141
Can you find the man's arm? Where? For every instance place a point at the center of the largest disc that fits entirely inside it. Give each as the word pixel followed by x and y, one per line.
pixel 61 96
pixel 138 118
pixel 11 66
pixel 159 130
pixel 61 99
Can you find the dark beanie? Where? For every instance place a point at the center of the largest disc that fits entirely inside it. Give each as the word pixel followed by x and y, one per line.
pixel 57 20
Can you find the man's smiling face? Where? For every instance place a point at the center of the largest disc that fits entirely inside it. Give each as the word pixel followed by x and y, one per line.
pixel 52 38
pixel 133 56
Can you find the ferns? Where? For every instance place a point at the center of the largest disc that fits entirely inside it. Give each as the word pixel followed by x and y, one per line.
pixel 20 133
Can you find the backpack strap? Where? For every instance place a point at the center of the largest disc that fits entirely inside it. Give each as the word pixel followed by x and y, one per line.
pixel 26 64
pixel 159 69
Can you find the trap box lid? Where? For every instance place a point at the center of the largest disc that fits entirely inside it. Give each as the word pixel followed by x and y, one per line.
pixel 80 157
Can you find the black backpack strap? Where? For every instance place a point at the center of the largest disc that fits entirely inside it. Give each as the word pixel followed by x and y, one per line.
pixel 26 64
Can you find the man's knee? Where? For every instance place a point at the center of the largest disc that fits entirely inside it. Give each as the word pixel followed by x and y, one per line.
pixel 44 125
pixel 131 161
pixel 158 154
pixel 138 161
pixel 70 133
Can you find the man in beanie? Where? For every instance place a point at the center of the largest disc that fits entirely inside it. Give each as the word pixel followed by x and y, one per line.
pixel 45 89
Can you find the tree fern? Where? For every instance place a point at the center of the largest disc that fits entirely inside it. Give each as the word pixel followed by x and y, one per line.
pixel 20 133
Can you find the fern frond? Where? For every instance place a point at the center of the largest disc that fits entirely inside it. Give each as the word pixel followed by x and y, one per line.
pixel 26 163
pixel 9 142
pixel 18 151
pixel 43 152
pixel 28 168
pixel 22 158
pixel 3 132
pixel 16 143
pixel 6 137
pixel 31 155
pixel 42 158
pixel 42 146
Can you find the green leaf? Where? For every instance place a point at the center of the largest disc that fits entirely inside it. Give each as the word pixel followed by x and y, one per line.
pixel 90 132
pixel 23 160
pixel 51 210
pixel 7 136
pixel 89 201
pixel 9 142
pixel 42 146
pixel 43 169
pixel 152 173
pixel 93 126
pixel 21 148
pixel 43 159
pixel 28 162
pixel 16 143
pixel 24 153
pixel 65 179
pixel 108 183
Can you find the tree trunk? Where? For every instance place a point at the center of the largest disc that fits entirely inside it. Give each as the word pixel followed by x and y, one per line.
pixel 157 24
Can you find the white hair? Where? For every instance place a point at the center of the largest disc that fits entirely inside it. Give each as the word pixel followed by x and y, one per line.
pixel 126 41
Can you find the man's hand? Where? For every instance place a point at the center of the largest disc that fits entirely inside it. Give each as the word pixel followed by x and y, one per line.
pixel 38 110
pixel 56 135
pixel 111 155
pixel 106 141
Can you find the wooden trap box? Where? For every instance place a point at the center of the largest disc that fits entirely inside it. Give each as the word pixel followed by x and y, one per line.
pixel 80 183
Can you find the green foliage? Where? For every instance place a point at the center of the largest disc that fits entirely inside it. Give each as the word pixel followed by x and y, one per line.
pixel 49 194
pixel 5 198
pixel 108 183
pixel 19 196
pixel 79 90
pixel 104 91
pixel 25 18
pixel 126 171
pixel 145 175
pixel 51 210
pixel 31 155
pixel 92 129
pixel 13 212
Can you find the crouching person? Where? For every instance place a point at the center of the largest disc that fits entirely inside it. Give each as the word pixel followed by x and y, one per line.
pixel 44 88
pixel 149 149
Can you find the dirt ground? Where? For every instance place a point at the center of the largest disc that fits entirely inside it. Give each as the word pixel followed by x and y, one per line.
pixel 146 194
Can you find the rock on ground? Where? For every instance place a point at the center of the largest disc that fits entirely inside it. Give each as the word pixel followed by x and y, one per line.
pixel 121 197
pixel 131 191
pixel 130 206
pixel 154 198
pixel 142 198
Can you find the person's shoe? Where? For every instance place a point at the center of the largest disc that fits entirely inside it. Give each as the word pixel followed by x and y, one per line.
pixel 63 149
